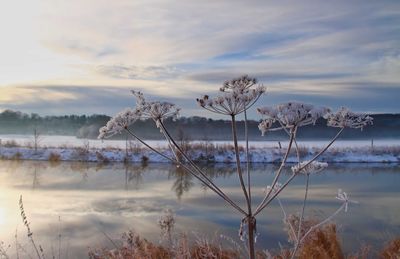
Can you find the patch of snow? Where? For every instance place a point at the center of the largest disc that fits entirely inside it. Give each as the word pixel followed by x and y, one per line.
pixel 257 155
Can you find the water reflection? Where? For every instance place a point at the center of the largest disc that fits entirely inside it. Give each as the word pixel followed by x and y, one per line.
pixel 183 181
pixel 112 198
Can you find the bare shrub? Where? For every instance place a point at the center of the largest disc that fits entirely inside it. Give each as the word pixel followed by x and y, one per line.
pixel 82 153
pixel 135 147
pixel 37 138
pixel 102 158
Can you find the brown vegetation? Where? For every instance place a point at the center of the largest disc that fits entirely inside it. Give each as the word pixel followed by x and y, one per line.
pixel 322 243
pixel 54 157
pixel 102 158
pixel 135 247
pixel 17 156
pixel 392 250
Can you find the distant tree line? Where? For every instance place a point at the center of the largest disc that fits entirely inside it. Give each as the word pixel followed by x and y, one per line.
pixel 190 128
pixel 15 122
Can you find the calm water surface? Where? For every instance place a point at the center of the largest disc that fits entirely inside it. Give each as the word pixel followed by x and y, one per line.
pixel 83 201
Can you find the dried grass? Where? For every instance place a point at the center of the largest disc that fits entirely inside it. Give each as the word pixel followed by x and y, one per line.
pixel 322 243
pixel 391 250
pixel 17 156
pixel 135 247
pixel 54 157
pixel 102 158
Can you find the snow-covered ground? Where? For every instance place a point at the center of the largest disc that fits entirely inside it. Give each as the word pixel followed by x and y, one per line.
pixel 67 148
pixel 71 141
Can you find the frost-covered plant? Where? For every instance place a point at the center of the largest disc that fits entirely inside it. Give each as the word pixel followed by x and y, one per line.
pixel 290 115
pixel 273 189
pixel 309 168
pixel 158 111
pixel 119 123
pixel 235 97
pixel 344 118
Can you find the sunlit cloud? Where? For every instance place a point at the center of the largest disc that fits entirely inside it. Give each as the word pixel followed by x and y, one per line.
pixel 317 52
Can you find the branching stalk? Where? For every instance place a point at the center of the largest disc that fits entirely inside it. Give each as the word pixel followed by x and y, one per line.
pixel 216 188
pixel 239 169
pixel 221 194
pixel 323 222
pixel 260 206
pixel 246 133
pixel 301 216
pixel 301 168
pixel 285 219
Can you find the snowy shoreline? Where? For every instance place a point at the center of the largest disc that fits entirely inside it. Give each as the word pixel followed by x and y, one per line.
pixel 379 154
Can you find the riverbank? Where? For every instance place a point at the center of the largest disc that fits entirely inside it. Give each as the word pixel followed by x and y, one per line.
pixel 208 153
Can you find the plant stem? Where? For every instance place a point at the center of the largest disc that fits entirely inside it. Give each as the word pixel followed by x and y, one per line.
pixel 239 169
pixel 217 191
pixel 251 220
pixel 285 219
pixel 301 216
pixel 261 205
pixel 323 222
pixel 246 133
pixel 251 228
pixel 206 178
pixel 293 175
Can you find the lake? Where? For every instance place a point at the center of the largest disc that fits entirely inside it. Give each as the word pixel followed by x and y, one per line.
pixel 86 202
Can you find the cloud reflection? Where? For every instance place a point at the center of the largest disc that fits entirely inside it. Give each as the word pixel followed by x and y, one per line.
pixel 109 201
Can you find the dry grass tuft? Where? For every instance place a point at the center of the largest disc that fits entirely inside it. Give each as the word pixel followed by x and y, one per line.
pixel 54 157
pixel 17 156
pixel 134 247
pixel 322 243
pixel 392 250
pixel 102 158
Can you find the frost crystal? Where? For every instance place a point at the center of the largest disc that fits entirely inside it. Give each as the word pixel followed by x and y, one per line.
pixel 344 118
pixel 342 196
pixel 144 110
pixel 158 111
pixel 277 187
pixel 311 168
pixel 265 125
pixel 119 122
pixel 235 96
pixel 290 115
pixel 242 83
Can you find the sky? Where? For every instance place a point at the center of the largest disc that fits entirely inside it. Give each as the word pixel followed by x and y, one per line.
pixel 83 56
